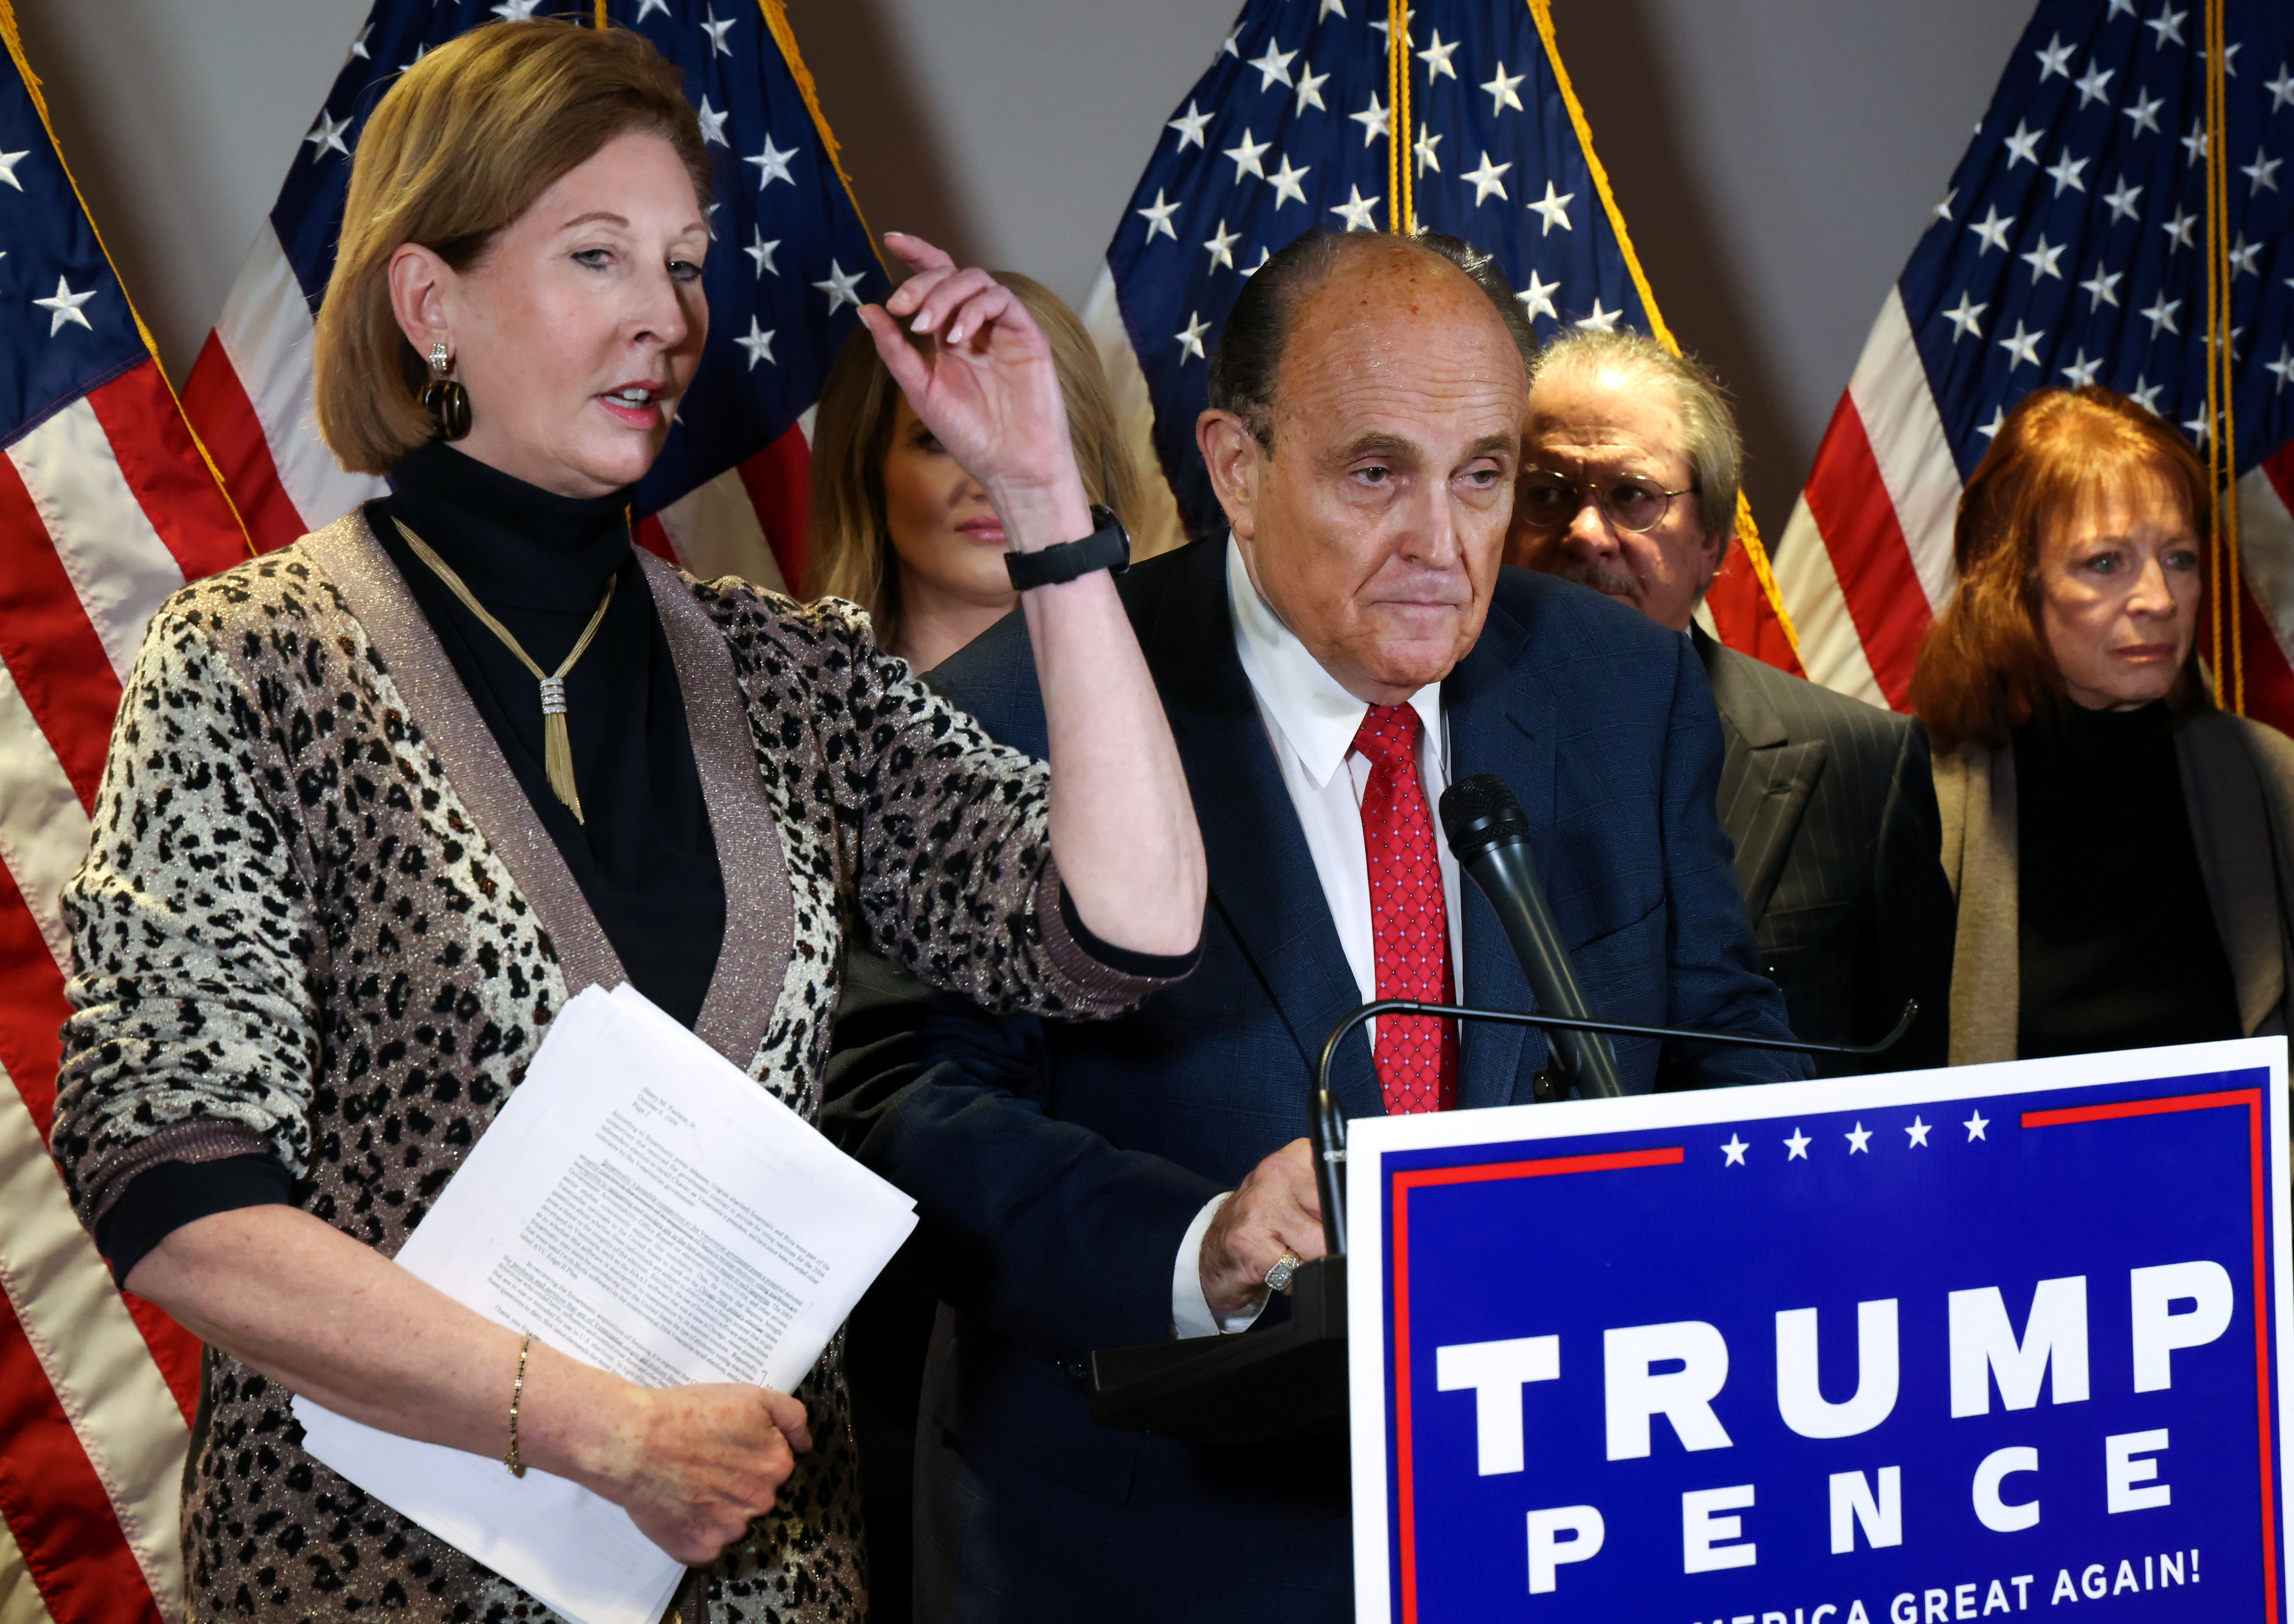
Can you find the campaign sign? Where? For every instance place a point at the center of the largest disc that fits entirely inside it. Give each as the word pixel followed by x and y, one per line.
pixel 1952 1345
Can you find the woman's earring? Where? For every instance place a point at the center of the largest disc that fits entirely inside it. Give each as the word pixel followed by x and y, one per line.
pixel 446 401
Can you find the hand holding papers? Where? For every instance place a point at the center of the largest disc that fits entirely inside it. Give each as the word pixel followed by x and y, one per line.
pixel 642 1205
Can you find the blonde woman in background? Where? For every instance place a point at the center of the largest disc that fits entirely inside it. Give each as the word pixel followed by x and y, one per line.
pixel 901 530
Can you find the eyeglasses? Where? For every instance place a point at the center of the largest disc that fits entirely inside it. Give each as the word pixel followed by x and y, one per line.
pixel 1546 501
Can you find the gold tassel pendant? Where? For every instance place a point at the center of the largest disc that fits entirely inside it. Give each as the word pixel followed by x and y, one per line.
pixel 557 748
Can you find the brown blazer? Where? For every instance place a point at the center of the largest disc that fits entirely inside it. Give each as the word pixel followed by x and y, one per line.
pixel 2238 781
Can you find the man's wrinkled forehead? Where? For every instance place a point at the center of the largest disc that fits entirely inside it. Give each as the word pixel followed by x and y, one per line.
pixel 1396 329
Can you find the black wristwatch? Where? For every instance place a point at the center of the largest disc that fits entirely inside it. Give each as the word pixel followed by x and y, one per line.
pixel 1107 548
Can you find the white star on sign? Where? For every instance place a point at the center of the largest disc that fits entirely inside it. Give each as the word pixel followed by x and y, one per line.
pixel 1190 341
pixel 2042 259
pixel 1310 91
pixel 1220 246
pixel 1735 1151
pixel 1426 141
pixel 2144 114
pixel 1962 319
pixel 1554 210
pixel 772 165
pixel 325 133
pixel 1502 92
pixel 1360 211
pixel 2080 373
pixel 1191 126
pixel 2168 25
pixel 1796 1146
pixel 1537 298
pixel 2162 314
pixel 1158 216
pixel 1975 1125
pixel 716 31
pixel 2022 347
pixel 1917 1134
pixel 2023 146
pixel 1942 210
pixel 761 251
pixel 646 8
pixel 1859 1138
pixel 2283 368
pixel 65 307
pixel 841 289
pixel 2103 287
pixel 1990 431
pixel 1485 179
pixel 757 344
pixel 8 162
pixel 2280 89
pixel 2123 199
pixel 1436 57
pixel 1286 182
pixel 713 123
pixel 2145 395
pixel 1246 157
pixel 1272 66
pixel 1375 119
pixel 1993 229
pixel 2092 87
pixel 2179 227
pixel 2055 58
pixel 1601 321
pixel 2066 173
pixel 2261 174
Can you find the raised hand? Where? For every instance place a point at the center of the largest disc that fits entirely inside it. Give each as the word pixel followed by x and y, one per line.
pixel 989 391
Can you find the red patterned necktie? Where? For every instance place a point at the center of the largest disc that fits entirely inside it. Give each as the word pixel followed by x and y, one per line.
pixel 1417 1055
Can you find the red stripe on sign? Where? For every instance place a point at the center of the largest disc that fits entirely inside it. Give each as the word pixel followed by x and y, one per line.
pixel 219 409
pixel 50 648
pixel 1856 517
pixel 32 1007
pixel 172 481
pixel 778 480
pixel 650 536
pixel 55 1505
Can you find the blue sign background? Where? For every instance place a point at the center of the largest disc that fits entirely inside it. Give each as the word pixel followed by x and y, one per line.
pixel 1733 1239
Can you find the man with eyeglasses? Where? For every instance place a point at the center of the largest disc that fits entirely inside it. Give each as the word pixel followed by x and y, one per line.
pixel 1629 485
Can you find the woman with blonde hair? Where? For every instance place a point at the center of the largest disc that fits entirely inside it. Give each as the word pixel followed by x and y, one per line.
pixel 379 805
pixel 900 529
pixel 2122 850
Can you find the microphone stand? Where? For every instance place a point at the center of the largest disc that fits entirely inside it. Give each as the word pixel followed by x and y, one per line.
pixel 1326 1121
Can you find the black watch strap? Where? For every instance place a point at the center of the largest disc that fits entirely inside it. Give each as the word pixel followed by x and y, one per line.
pixel 1107 548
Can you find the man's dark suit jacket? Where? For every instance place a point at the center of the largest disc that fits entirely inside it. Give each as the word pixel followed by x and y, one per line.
pixel 1832 809
pixel 1057 1167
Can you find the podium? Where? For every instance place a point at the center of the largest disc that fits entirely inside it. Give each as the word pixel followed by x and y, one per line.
pixel 1284 1380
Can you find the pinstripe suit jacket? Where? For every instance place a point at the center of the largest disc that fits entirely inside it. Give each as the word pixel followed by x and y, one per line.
pixel 1832 806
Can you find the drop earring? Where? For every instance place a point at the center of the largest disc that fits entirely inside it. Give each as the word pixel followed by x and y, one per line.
pixel 446 401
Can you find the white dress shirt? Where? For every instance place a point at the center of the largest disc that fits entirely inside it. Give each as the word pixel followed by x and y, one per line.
pixel 1311 721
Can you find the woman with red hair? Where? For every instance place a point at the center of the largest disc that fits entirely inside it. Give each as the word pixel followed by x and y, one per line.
pixel 2119 848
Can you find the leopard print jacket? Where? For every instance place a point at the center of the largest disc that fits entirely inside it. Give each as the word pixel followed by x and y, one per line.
pixel 319 920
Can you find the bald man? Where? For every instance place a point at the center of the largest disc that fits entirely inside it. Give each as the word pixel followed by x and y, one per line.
pixel 1330 667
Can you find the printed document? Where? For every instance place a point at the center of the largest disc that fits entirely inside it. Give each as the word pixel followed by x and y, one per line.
pixel 641 1205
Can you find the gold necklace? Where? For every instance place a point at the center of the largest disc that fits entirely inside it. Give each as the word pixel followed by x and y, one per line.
pixel 558 750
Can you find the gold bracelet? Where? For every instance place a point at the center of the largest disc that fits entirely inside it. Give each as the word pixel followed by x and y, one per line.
pixel 516 1393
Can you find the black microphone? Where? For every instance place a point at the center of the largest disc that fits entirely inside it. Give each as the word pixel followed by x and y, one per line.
pixel 1490 835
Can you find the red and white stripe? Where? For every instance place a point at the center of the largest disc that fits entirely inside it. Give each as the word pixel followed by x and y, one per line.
pixel 106 506
pixel 1864 564
pixel 250 395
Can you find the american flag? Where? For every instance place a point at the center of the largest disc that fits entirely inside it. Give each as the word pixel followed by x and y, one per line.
pixel 2072 246
pixel 107 506
pixel 1454 116
pixel 791 264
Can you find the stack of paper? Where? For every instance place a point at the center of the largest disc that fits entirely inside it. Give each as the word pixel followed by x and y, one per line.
pixel 643 1206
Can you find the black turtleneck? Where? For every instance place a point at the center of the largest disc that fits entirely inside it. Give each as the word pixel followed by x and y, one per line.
pixel 2117 946
pixel 645 858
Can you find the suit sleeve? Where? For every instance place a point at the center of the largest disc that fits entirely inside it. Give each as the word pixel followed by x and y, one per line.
pixel 1716 983
pixel 1913 917
pixel 1057 1239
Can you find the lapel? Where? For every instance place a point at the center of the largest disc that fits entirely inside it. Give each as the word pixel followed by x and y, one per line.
pixel 1501 720
pixel 1766 779
pixel 1262 877
pixel 2230 824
